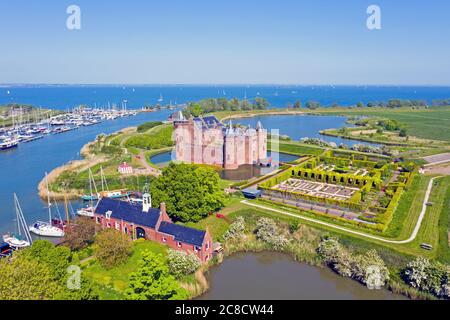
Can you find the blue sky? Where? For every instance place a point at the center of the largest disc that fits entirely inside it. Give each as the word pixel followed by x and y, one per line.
pixel 225 41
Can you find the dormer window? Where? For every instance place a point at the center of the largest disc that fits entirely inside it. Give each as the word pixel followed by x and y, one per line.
pixel 196 249
pixel 108 214
pixel 207 245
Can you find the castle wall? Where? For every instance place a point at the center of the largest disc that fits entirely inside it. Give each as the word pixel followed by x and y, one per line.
pixel 195 144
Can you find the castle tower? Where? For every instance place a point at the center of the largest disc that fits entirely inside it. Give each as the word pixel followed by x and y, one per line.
pixel 261 134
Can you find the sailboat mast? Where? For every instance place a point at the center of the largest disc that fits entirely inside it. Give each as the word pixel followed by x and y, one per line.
pixel 48 200
pixel 17 215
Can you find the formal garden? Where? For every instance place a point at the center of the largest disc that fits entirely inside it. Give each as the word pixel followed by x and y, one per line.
pixel 362 190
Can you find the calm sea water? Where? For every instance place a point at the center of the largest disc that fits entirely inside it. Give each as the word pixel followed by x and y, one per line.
pixel 268 275
pixel 63 96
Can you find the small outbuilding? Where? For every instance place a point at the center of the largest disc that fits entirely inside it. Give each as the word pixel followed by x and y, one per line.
pixel 251 193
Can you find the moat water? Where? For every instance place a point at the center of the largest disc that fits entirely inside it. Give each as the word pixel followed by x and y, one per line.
pixel 244 172
pixel 268 275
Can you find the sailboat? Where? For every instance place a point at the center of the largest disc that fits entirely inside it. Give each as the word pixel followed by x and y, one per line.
pixel 91 196
pixel 23 238
pixel 114 194
pixel 47 229
pixel 88 211
pixel 161 99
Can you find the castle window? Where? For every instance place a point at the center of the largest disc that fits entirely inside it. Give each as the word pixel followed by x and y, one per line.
pixel 108 225
pixel 196 249
pixel 179 244
pixel 207 245
pixel 98 219
pixel 117 226
pixel 164 239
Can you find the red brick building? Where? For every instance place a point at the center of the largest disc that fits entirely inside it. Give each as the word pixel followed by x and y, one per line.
pixel 143 221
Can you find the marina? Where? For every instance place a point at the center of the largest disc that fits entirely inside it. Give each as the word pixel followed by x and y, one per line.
pixel 26 130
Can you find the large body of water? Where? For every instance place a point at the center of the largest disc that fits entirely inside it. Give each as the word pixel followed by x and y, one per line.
pixel 300 126
pixel 268 275
pixel 63 96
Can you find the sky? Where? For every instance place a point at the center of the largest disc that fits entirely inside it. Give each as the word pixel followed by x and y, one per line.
pixel 225 42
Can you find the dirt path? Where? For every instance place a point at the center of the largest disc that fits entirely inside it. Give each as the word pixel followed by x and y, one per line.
pixel 147 166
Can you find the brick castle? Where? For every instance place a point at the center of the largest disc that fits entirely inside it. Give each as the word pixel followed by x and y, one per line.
pixel 205 140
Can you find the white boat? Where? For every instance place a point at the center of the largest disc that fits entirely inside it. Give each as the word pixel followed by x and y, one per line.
pixel 47 229
pixel 161 99
pixel 8 144
pixel 23 237
pixel 86 212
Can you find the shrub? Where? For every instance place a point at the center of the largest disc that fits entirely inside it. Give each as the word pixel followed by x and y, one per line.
pixel 367 268
pixel 235 230
pixel 432 277
pixel 267 231
pixel 112 247
pixel 181 263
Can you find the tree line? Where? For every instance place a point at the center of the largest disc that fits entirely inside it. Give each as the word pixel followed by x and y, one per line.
pixel 223 104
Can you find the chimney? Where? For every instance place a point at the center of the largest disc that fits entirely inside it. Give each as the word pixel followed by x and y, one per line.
pixel 162 208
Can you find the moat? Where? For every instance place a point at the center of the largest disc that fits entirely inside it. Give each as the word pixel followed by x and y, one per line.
pixel 269 275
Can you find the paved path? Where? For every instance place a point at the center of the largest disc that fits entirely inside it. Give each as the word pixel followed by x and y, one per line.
pixel 330 225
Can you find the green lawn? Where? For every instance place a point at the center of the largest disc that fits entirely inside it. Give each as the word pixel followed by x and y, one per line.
pixel 113 282
pixel 410 207
pixel 432 123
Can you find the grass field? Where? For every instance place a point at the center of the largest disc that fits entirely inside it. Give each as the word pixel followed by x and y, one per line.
pixel 113 282
pixel 404 221
pixel 432 123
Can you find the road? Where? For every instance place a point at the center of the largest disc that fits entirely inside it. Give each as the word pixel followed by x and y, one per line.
pixel 362 234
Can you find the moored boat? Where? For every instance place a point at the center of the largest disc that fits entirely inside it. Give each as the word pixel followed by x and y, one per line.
pixel 8 143
pixel 23 238
pixel 47 229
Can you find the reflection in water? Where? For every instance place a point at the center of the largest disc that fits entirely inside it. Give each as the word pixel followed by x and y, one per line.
pixel 244 172
pixel 271 275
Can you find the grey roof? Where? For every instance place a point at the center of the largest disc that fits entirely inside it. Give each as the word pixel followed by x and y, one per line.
pixel 208 121
pixel 128 212
pixel 182 233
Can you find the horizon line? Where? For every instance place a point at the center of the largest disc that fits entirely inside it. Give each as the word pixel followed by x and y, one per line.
pixel 219 84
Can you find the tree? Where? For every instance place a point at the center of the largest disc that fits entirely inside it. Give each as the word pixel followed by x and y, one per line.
pixel 111 247
pixel 80 234
pixel 312 105
pixel 189 191
pixel 403 132
pixel 297 104
pixel 56 258
pixel 261 103
pixel 152 281
pixel 181 263
pixel 22 278
pixel 360 105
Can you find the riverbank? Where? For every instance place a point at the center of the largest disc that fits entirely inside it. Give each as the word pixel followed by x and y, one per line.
pixel 107 153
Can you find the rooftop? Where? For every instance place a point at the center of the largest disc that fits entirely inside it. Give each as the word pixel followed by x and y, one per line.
pixel 182 233
pixel 128 212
